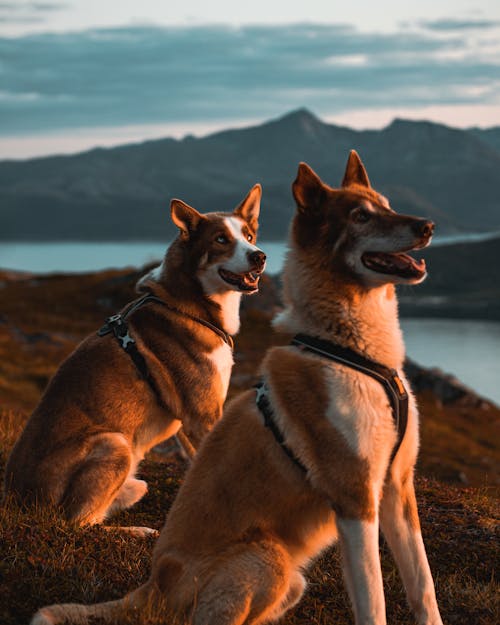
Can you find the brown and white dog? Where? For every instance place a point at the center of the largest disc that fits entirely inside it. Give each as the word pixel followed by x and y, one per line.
pixel 248 519
pixel 98 417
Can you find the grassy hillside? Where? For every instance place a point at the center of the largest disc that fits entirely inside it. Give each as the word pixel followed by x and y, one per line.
pixel 43 560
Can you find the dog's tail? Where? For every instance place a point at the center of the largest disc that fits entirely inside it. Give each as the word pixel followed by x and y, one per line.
pixel 79 614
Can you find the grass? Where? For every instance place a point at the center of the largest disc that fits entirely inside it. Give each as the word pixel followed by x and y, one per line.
pixel 44 560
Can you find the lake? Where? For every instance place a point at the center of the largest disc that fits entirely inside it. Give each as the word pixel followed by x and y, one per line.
pixel 81 257
pixel 468 349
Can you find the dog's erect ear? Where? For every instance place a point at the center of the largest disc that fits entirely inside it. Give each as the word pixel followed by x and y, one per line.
pixel 185 217
pixel 355 172
pixel 249 209
pixel 308 189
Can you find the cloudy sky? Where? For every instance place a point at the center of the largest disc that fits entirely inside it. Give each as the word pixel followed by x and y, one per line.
pixel 79 73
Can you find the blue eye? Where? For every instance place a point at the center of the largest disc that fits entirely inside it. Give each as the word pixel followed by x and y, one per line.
pixel 222 239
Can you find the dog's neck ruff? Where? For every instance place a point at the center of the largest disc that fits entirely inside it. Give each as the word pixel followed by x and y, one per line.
pixel 388 378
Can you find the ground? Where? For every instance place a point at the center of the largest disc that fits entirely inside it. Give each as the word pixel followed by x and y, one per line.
pixel 43 560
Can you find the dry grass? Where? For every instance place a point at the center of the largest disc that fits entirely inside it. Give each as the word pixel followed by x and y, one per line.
pixel 45 560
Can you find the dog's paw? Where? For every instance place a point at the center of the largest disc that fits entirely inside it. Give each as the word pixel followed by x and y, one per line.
pixel 141 532
pixel 43 617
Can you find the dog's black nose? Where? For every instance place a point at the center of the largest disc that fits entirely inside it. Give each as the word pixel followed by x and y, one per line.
pixel 257 258
pixel 423 228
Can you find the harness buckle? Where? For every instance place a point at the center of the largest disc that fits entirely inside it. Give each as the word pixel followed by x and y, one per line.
pixel 399 383
pixel 260 392
pixel 114 319
pixel 126 340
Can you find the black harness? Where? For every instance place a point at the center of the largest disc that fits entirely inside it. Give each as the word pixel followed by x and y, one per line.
pixel 117 325
pixel 388 378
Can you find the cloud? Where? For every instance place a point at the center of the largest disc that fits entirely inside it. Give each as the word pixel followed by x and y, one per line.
pixel 19 5
pixel 450 24
pixel 149 75
pixel 22 12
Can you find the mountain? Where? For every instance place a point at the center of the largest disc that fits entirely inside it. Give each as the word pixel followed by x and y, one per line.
pixel 462 283
pixel 488 135
pixel 121 193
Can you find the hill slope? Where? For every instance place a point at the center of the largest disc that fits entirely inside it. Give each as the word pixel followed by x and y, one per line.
pixel 123 193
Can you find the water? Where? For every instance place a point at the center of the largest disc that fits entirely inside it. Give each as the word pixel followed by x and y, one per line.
pixel 78 257
pixel 468 349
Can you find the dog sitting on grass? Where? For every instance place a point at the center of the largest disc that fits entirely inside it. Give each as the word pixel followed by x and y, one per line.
pixel 164 362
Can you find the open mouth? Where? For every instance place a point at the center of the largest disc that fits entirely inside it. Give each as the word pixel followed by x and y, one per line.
pixel 396 264
pixel 243 281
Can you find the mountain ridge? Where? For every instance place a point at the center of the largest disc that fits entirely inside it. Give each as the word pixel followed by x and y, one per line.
pixel 122 193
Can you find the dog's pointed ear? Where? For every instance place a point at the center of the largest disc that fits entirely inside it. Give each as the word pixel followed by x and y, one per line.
pixel 355 172
pixel 185 217
pixel 249 209
pixel 308 189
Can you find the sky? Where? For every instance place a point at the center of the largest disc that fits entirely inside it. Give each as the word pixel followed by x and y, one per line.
pixel 79 73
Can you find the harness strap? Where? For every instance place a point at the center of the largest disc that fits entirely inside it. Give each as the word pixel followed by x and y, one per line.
pixel 388 378
pixel 227 338
pixel 106 328
pixel 264 405
pixel 117 325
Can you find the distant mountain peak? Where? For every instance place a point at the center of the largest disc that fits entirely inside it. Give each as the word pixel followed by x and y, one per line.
pixel 301 114
pixel 300 117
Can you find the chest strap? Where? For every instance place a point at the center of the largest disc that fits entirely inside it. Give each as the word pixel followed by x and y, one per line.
pixel 388 378
pixel 266 409
pixel 117 325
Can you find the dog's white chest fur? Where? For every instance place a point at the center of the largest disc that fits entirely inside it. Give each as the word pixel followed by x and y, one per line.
pixel 222 359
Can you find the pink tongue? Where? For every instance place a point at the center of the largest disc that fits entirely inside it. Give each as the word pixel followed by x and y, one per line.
pixel 400 261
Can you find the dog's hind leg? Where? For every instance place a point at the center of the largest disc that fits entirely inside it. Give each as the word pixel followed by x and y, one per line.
pixel 97 479
pixel 131 491
pixel 80 614
pixel 248 587
pixel 401 527
pixel 293 596
pixel 362 570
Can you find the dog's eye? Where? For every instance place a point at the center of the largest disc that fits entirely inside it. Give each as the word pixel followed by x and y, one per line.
pixel 361 215
pixel 249 237
pixel 222 239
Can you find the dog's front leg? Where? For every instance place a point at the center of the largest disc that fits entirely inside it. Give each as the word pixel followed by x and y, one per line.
pixel 362 572
pixel 401 527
